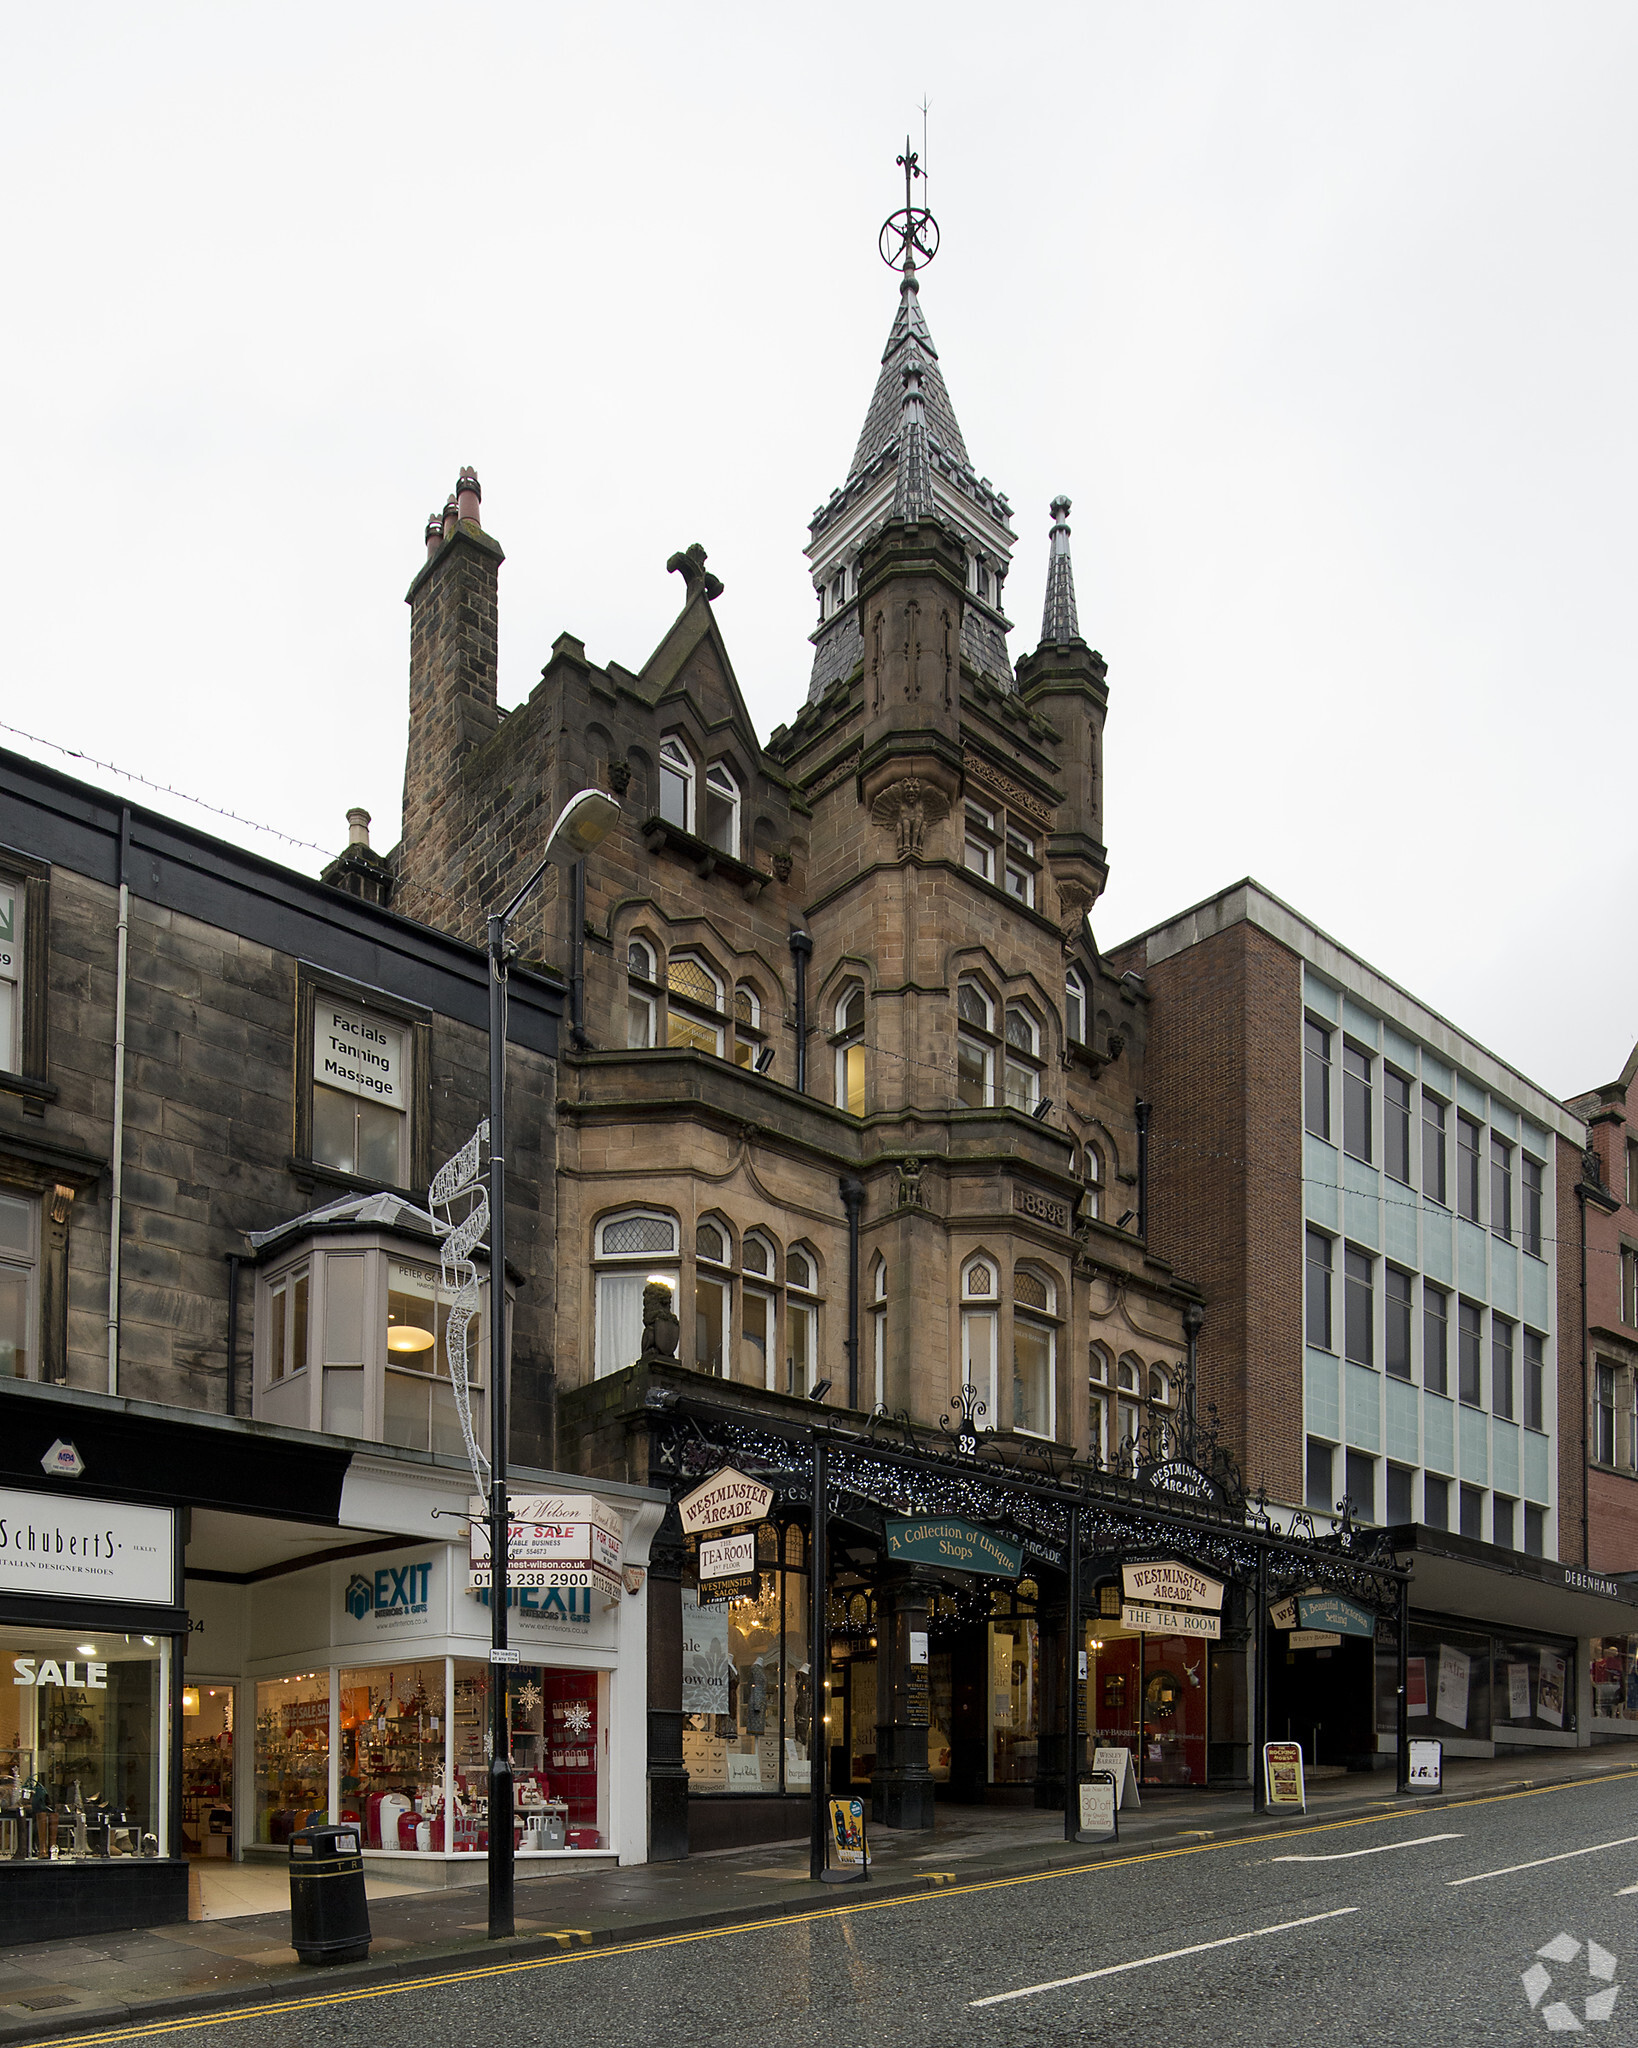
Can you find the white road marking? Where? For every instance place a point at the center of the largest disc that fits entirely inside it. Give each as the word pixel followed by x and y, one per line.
pixel 1564 1856
pixel 1171 1955
pixel 1381 1849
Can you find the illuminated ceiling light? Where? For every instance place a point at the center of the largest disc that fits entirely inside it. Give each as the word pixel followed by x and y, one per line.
pixel 402 1337
pixel 86 1649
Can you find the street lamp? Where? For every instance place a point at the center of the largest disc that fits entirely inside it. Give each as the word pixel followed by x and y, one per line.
pixel 582 824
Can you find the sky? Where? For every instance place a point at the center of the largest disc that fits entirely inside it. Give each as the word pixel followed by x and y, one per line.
pixel 1322 315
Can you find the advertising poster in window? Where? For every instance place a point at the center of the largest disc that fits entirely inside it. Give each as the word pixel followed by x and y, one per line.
pixel 1518 1692
pixel 357 1054
pixel 1416 1686
pixel 1455 1677
pixel 1550 1690
pixel 706 1667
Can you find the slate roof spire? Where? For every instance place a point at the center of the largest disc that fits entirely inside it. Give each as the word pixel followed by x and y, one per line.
pixel 1058 621
pixel 913 489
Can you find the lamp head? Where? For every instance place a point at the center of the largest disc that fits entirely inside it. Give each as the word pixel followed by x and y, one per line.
pixel 820 1390
pixel 584 822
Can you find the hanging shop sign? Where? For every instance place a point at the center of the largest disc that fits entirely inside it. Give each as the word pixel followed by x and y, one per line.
pixel 1314 1639
pixel 1282 1774
pixel 727 1566
pixel 1185 1481
pixel 87 1549
pixel 573 1545
pixel 1331 1611
pixel 1283 1613
pixel 725 1501
pixel 1163 1582
pixel 956 1544
pixel 1170 1621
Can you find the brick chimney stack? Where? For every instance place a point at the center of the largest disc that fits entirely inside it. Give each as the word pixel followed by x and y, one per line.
pixel 454 656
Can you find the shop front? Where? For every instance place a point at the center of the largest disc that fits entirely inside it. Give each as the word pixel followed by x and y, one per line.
pixel 90 1647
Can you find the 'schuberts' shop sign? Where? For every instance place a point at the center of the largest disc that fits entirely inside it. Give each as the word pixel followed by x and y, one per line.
pixel 358 1054
pixel 86 1549
pixel 1165 1583
pixel 726 1499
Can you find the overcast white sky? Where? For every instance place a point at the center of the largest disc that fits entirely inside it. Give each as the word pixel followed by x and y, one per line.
pixel 1323 315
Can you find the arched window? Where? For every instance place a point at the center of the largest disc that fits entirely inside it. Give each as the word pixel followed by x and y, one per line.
pixel 1074 1007
pixel 676 784
pixel 1092 1179
pixel 975 1045
pixel 639 994
pixel 1097 1432
pixel 850 1052
pixel 631 1249
pixel 713 1297
pixel 980 1320
pixel 1161 1391
pixel 722 809
pixel 1023 1058
pixel 1129 1403
pixel 801 1321
pixel 694 1004
pixel 878 1325
pixel 748 1033
pixel 1034 1352
pixel 758 1310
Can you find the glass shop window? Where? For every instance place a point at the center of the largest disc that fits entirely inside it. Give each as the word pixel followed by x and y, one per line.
pixel 1448 1682
pixel 84 1720
pixel 1015 1700
pixel 747 1684
pixel 419 1409
pixel 292 1754
pixel 1615 1677
pixel 391 1746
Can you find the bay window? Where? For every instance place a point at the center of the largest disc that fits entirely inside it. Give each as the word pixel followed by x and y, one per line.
pixel 694 1015
pixel 1023 1037
pixel 713 1299
pixel 1097 1419
pixel 640 995
pixel 1034 1353
pixel 878 1326
pixel 850 1051
pixel 801 1321
pixel 758 1311
pixel 1075 1007
pixel 631 1249
pixel 980 1321
pixel 975 1045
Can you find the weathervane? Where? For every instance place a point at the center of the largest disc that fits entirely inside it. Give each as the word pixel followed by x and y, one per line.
pixel 912 232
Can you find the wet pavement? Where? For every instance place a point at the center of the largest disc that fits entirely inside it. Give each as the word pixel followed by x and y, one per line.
pixel 77 1986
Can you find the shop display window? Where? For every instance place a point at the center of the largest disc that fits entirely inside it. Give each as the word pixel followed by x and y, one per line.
pixel 84 1723
pixel 292 1754
pixel 1174 1710
pixel 207 1769
pixel 1532 1684
pixel 747 1682
pixel 1015 1702
pixel 391 1749
pixel 1615 1677
pixel 1447 1682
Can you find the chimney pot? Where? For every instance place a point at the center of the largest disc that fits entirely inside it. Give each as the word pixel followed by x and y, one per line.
pixel 451 515
pixel 434 533
pixel 469 495
pixel 358 828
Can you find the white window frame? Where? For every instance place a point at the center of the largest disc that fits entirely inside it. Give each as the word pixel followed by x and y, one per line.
pixel 20 1269
pixel 1022 1061
pixel 1100 1395
pixel 979 1047
pixel 1043 1322
pixel 878 1326
pixel 689 1008
pixel 1019 865
pixel 1130 1405
pixel 1075 1007
pixel 748 1032
pixel 981 1326
pixel 802 1311
pixel 717 1275
pixel 1092 1180
pixel 400 1028
pixel 978 854
pixel 760 1283
pixel 13 956
pixel 612 1267
pixel 721 785
pixel 677 779
pixel 850 1050
pixel 640 1002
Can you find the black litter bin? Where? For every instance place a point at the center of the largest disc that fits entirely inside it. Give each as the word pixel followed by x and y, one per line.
pixel 329 1915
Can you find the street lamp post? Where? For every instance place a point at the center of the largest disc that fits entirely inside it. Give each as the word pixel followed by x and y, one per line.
pixel 584 822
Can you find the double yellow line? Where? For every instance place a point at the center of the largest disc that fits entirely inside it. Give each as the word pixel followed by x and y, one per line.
pixel 484 1972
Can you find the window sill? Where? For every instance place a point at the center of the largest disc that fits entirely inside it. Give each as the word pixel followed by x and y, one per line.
pixel 309 1171
pixel 34 1091
pixel 660 835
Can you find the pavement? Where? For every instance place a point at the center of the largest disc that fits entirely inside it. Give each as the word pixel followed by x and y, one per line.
pixel 81 1985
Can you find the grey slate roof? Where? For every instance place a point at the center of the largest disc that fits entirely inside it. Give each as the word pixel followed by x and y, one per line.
pixel 1058 620
pixel 909 340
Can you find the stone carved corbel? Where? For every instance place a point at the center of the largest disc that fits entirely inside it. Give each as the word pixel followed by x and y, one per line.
pixel 906 809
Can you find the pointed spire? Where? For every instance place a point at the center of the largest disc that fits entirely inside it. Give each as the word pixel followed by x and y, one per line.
pixel 913 485
pixel 909 337
pixel 1058 621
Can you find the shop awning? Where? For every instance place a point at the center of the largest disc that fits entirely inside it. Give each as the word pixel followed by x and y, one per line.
pixel 1470 1580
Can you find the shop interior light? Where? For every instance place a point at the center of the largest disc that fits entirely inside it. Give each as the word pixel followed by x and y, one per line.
pixel 86 1649
pixel 405 1337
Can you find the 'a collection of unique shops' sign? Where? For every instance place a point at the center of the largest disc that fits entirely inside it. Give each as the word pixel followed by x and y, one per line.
pixel 954 1543
pixel 1163 1597
pixel 555 1540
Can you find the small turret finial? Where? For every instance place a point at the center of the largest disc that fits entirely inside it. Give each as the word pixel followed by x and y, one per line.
pixel 1059 623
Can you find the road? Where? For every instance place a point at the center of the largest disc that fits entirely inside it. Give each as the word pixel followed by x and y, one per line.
pixel 1418 1928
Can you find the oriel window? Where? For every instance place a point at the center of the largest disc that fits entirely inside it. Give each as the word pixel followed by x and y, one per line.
pixel 693 1005
pixel 975 1046
pixel 641 995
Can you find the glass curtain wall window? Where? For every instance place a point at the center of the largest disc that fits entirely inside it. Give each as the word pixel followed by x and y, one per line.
pixel 632 1250
pixel 1396 1329
pixel 1435 1339
pixel 1356 1101
pixel 1359 1307
pixel 19 1266
pixel 1023 1058
pixel 1034 1353
pixel 1318 1306
pixel 1531 1174
pixel 1359 1483
pixel 758 1311
pixel 676 785
pixel 850 1051
pixel 1318 1475
pixel 722 809
pixel 1470 1354
pixel 1074 1008
pixel 1433 1148
pixel 975 1046
pixel 1501 1367
pixel 1501 1187
pixel 1467 1168
pixel 801 1321
pixel 748 1033
pixel 713 1299
pixel 694 1005
pixel 1316 1079
pixel 1097 1432
pixel 641 995
pixel 1535 1375
pixel 1396 1126
pixel 980 1323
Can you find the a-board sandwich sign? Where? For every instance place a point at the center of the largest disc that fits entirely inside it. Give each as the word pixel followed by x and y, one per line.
pixel 1100 1808
pixel 1427 1763
pixel 1282 1775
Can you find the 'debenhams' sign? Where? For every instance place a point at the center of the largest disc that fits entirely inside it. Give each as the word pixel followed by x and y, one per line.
pixel 1163 1582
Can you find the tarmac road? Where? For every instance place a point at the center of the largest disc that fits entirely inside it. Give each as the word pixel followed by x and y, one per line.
pixel 1425 1927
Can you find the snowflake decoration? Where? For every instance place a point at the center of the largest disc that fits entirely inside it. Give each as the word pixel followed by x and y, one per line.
pixel 1559 2016
pixel 577 1718
pixel 527 1696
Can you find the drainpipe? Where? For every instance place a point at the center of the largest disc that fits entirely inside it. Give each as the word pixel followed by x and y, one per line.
pixel 117 1144
pixel 233 1262
pixel 801 953
pixel 577 956
pixel 1193 1316
pixel 1586 1381
pixel 853 1195
pixel 1143 1111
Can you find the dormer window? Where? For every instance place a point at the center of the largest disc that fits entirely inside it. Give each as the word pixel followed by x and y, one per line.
pixel 981 581
pixel 676 785
pixel 722 809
